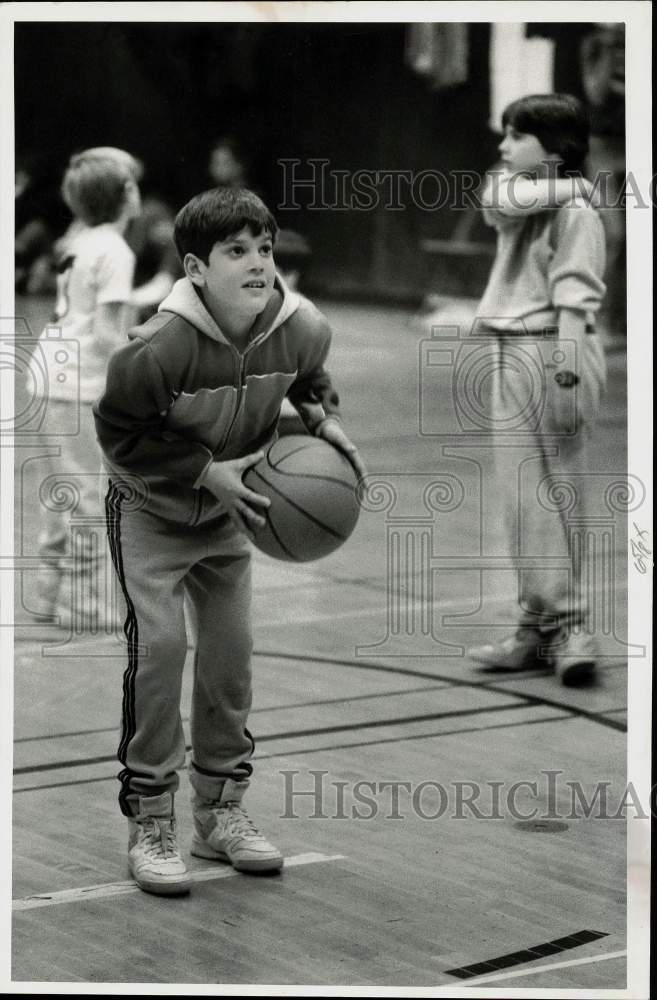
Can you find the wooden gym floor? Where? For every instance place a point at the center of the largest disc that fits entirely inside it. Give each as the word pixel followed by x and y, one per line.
pixel 375 892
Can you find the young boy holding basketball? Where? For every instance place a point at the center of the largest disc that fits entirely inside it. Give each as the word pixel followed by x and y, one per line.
pixel 544 291
pixel 190 403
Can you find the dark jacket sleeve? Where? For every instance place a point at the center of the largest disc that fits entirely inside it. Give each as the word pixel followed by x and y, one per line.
pixel 312 393
pixel 129 420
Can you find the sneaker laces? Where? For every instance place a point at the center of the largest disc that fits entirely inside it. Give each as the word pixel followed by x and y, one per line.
pixel 238 822
pixel 159 838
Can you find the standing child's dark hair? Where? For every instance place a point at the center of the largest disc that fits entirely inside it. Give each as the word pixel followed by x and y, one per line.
pixel 560 123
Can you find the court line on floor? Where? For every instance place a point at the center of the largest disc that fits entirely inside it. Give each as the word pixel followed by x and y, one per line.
pixel 440 685
pixel 536 970
pixel 491 966
pixel 530 699
pixel 414 736
pixel 255 711
pixel 527 699
pixel 307 750
pixel 57 765
pixel 400 671
pixel 111 889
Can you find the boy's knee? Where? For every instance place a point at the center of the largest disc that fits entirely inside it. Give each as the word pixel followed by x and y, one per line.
pixel 167 647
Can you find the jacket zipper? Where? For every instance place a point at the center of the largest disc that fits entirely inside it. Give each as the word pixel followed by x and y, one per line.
pixel 199 506
pixel 238 400
pixel 241 385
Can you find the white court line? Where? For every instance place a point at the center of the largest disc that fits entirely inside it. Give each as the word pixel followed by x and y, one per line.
pixel 535 970
pixel 128 888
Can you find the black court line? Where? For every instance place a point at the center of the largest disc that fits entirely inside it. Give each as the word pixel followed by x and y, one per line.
pixel 270 708
pixel 56 765
pixel 414 736
pixel 525 698
pixel 526 955
pixel 308 750
pixel 530 699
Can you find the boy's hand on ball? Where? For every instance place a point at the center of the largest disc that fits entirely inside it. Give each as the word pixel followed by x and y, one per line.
pixel 331 431
pixel 224 480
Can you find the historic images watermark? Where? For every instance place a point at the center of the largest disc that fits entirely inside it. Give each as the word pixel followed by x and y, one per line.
pixel 314 794
pixel 315 185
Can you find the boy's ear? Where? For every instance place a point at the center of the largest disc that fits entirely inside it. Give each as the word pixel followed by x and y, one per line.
pixel 194 269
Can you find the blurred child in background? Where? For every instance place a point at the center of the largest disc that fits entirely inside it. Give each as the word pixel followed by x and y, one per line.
pixel 228 164
pixel 93 311
pixel 540 306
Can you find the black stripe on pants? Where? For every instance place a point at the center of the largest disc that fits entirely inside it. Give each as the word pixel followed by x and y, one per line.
pixel 113 503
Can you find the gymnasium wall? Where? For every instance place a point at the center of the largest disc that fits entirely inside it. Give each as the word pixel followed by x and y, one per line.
pixel 337 92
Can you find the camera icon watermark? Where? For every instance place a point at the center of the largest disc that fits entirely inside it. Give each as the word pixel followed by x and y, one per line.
pixel 476 383
pixel 44 369
pixel 65 582
pixel 567 536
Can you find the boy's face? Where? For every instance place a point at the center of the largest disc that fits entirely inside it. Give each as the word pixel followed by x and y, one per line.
pixel 239 275
pixel 523 152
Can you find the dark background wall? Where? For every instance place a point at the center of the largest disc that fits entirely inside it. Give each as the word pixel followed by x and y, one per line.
pixel 339 92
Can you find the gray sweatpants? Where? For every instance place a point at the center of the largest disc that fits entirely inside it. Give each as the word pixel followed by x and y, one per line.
pixel 158 562
pixel 541 467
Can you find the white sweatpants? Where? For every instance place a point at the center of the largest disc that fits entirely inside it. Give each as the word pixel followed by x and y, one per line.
pixel 539 465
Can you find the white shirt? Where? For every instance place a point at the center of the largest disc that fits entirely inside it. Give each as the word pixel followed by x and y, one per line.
pixel 70 362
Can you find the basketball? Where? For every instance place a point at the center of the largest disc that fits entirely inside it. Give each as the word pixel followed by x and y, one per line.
pixel 312 488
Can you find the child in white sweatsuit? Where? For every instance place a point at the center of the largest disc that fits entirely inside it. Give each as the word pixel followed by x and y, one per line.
pixel 539 309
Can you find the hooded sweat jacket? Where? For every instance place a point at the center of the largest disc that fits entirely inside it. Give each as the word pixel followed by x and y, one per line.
pixel 179 396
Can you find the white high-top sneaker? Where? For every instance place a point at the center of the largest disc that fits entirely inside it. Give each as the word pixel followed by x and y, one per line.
pixel 224 832
pixel 153 856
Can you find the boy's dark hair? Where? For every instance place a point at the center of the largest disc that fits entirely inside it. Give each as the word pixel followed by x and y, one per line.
pixel 94 185
pixel 559 122
pixel 213 216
